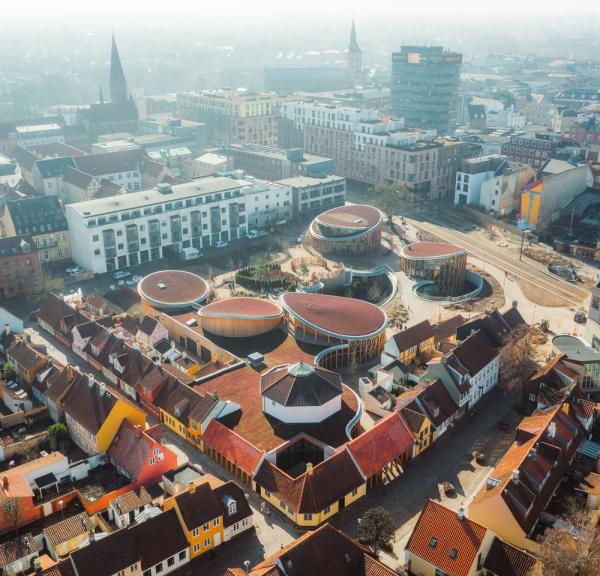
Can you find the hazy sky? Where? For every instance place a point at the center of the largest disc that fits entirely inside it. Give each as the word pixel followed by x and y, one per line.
pixel 39 11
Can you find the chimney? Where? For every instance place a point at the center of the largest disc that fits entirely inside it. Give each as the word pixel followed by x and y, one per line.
pixel 515 475
pixel 460 514
pixel 533 453
pixel 552 429
pixel 309 468
pixel 7 329
pixel 70 372
pixel 172 344
pixel 138 431
pixel 192 488
pixel 5 482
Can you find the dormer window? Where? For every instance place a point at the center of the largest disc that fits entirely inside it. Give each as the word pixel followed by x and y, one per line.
pixel 433 542
pixel 453 553
pixel 232 508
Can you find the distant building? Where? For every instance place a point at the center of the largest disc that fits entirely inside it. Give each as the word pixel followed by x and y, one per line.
pixel 592 328
pixel 44 219
pixel 372 148
pixel 311 196
pixel 557 184
pixel 207 165
pixel 9 171
pixel 184 132
pixel 532 149
pixel 425 87
pixel 272 163
pixel 354 57
pixel 316 79
pixel 40 134
pixel 492 182
pixel 233 117
pixel 118 84
pixel 20 268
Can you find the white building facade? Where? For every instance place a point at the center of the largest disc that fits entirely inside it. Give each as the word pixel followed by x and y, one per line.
pixel 125 230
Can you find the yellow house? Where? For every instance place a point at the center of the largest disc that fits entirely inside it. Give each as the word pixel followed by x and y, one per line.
pixel 316 495
pixel 44 219
pixel 182 409
pixel 93 415
pixel 420 426
pixel 406 345
pixel 201 517
pixel 67 535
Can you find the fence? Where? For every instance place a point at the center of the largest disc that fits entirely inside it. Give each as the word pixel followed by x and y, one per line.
pixel 19 418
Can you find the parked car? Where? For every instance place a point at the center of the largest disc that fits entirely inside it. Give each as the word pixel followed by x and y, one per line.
pixel 251 235
pixel 120 275
pixel 221 244
pixel 75 271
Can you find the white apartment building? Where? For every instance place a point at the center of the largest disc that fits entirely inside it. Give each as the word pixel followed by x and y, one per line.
pixel 125 230
pixel 40 134
pixel 312 196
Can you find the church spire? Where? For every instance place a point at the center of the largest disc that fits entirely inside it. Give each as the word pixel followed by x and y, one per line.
pixel 118 84
pixel 353 46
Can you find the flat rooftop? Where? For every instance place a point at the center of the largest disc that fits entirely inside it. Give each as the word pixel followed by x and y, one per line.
pixel 352 216
pixel 173 287
pixel 240 307
pixel 147 198
pixel 306 181
pixel 37 128
pixel 575 349
pixel 431 250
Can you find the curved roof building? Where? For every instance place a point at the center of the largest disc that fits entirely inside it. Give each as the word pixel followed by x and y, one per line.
pixel 443 264
pixel 328 320
pixel 173 290
pixel 240 317
pixel 301 392
pixel 350 230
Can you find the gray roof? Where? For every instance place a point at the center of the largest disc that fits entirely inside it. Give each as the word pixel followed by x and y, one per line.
pixel 37 215
pixel 575 349
pixel 53 167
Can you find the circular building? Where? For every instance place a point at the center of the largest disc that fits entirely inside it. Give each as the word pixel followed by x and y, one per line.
pixel 327 321
pixel 240 317
pixel 443 264
pixel 352 230
pixel 172 290
pixel 301 393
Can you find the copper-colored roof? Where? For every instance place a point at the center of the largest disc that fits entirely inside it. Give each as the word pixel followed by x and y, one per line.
pixel 389 439
pixel 241 307
pixel 173 288
pixel 232 446
pixel 431 250
pixel 353 216
pixel 445 541
pixel 69 528
pixel 336 315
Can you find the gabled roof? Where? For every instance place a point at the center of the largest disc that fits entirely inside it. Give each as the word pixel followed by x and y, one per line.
pixel 387 440
pixel 24 355
pixel 131 448
pixel 37 215
pixel 158 538
pixel 315 489
pixel 435 400
pixel 131 501
pixel 53 308
pixel 445 541
pixel 476 352
pixel 322 552
pixel 232 446
pixel 148 325
pixel 12 246
pixel 53 167
pixel 17 548
pixel 491 321
pixel 89 404
pixel 198 507
pixel 225 494
pixel 111 162
pixel 110 112
pixel 529 472
pixel 513 318
pixel 413 336
pixel 183 402
pixel 447 328
pixel 69 528
pixel 506 560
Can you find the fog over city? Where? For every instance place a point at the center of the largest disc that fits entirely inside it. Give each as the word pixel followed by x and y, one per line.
pixel 299 288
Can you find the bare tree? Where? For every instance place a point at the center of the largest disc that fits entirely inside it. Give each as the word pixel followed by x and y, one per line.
pixel 518 359
pixel 573 548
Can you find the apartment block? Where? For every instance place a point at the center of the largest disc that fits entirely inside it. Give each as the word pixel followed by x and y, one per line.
pixel 233 117
pixel 372 148
pixel 312 196
pixel 130 229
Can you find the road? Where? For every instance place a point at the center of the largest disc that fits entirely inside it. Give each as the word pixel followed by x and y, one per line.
pixel 526 270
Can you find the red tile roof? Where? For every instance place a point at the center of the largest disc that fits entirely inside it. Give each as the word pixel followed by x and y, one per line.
pixel 387 440
pixel 430 250
pixel 336 315
pixel 241 307
pixel 439 532
pixel 232 447
pixel 180 287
